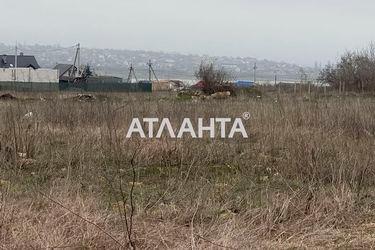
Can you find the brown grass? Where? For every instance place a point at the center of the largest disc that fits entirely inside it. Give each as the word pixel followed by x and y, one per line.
pixel 304 179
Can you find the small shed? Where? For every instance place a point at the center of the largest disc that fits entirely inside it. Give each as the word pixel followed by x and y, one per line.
pixel 65 70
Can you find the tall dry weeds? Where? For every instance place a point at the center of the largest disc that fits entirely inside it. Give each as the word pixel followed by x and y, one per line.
pixel 303 179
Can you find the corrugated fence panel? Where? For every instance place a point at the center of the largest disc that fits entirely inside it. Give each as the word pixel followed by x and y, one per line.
pixel 108 87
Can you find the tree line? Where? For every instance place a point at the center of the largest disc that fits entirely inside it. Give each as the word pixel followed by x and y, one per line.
pixel 355 71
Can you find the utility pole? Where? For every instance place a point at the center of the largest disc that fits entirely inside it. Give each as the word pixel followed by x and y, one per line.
pixel 15 62
pixel 309 85
pixel 275 73
pixel 151 72
pixel 255 72
pixel 78 59
pixel 276 82
pixel 131 74
pixel 304 81
pixel 149 64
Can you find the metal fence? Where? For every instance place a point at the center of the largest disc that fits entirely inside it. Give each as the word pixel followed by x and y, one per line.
pixel 90 87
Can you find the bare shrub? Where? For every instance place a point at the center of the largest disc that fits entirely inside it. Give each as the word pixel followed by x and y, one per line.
pixel 354 72
pixel 214 80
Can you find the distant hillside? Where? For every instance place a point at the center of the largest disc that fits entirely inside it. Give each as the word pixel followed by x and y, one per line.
pixel 167 65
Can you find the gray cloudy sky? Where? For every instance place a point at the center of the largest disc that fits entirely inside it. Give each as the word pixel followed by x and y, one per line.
pixel 297 31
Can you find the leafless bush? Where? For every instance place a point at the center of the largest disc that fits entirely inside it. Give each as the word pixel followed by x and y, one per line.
pixel 214 80
pixel 354 72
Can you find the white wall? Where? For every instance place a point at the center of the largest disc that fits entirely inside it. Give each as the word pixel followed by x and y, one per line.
pixel 29 75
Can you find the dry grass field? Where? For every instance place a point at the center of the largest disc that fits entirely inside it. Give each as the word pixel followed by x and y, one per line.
pixel 69 179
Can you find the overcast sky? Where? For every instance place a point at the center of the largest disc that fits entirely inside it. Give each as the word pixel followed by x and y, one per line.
pixel 297 31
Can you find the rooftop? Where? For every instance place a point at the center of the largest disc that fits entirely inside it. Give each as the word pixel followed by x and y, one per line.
pixel 8 61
